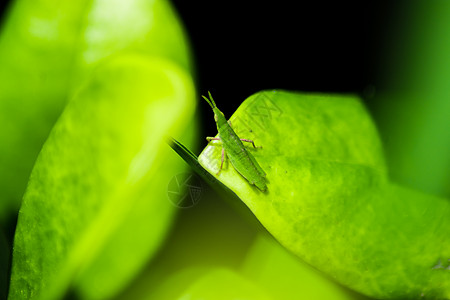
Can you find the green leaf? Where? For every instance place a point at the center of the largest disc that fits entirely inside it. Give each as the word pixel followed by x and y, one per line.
pixel 329 200
pixel 96 205
pixel 47 49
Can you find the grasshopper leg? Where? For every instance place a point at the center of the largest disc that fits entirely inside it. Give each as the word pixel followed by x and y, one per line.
pixel 250 141
pixel 245 140
pixel 221 161
pixel 223 151
pixel 209 139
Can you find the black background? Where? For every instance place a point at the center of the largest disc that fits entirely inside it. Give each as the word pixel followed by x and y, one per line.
pixel 241 47
pixel 244 47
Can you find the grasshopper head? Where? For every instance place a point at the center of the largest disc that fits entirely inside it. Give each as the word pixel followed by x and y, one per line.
pixel 219 117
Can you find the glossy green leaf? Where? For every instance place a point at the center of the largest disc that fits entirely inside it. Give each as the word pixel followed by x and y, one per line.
pixel 329 200
pixel 49 47
pixel 96 206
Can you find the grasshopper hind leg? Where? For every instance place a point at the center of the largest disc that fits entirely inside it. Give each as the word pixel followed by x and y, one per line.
pixel 221 160
pixel 209 139
pixel 250 141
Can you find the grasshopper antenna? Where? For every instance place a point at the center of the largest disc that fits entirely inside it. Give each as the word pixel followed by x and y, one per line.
pixel 210 100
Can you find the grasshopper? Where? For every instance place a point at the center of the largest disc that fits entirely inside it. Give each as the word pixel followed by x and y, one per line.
pixel 242 160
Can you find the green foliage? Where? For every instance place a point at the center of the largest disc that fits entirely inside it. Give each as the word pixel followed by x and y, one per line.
pixel 90 217
pixel 112 129
pixel 96 211
pixel 47 49
pixel 329 200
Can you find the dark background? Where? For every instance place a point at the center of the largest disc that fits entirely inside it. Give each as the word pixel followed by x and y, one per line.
pixel 241 48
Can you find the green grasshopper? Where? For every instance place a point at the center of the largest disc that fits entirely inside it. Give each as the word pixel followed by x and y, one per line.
pixel 242 160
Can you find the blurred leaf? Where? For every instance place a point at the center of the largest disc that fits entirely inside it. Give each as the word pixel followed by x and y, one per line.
pixel 96 208
pixel 122 26
pixel 208 235
pixel 413 112
pixel 170 287
pixel 37 45
pixel 223 284
pixel 47 48
pixel 213 284
pixel 328 198
pixel 139 236
pixel 286 277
